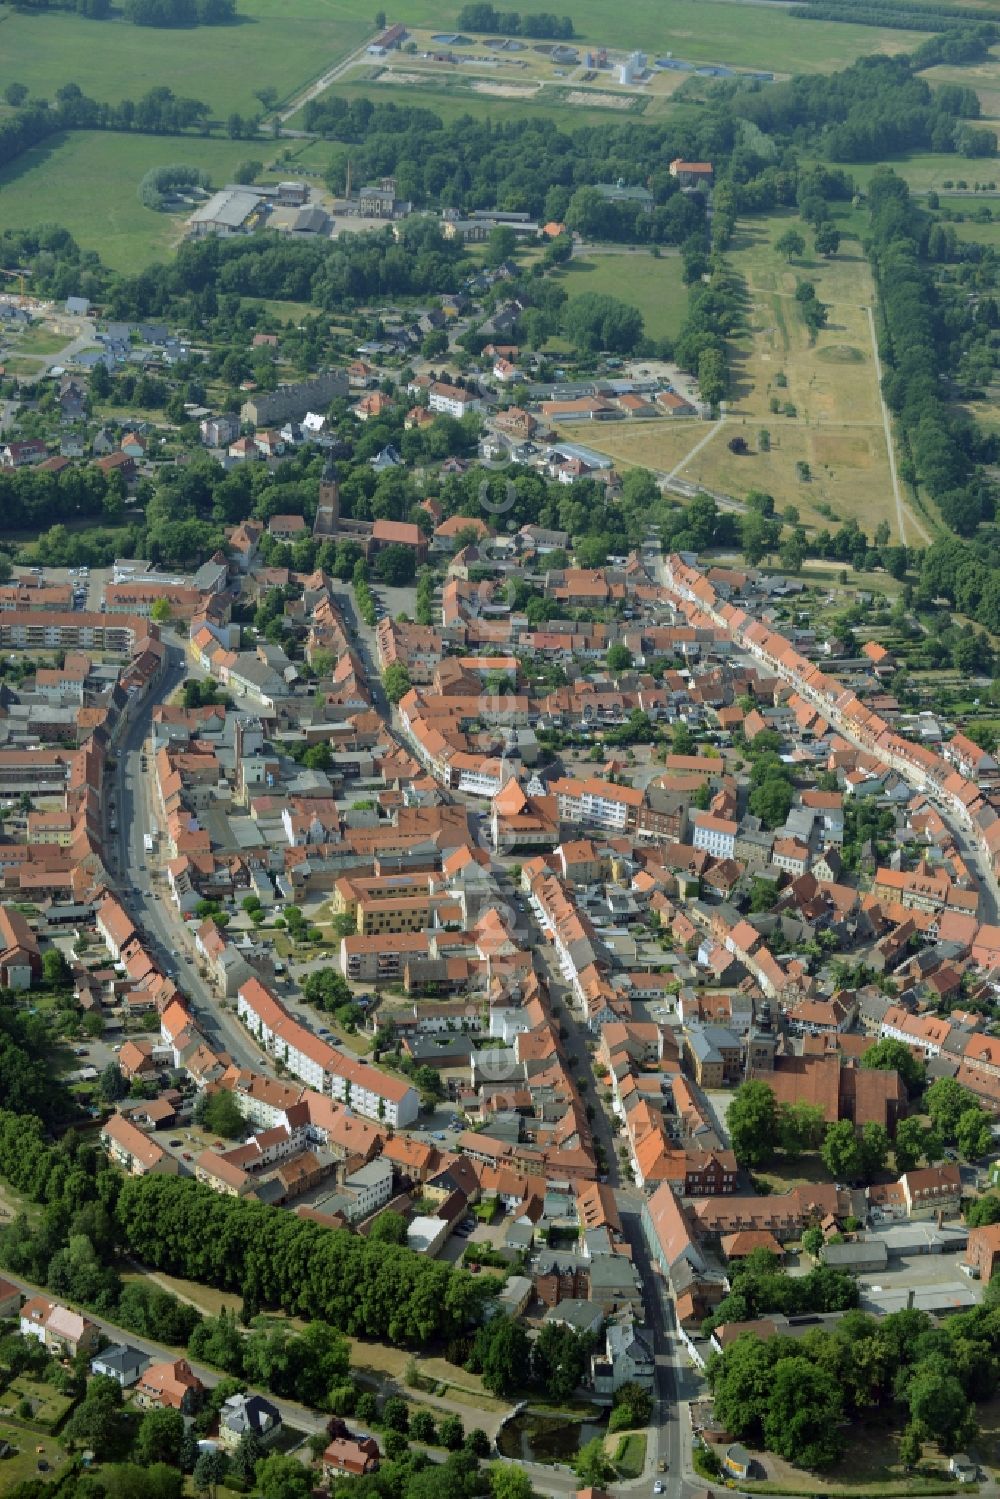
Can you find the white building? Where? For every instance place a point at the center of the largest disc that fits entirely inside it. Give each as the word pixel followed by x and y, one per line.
pixel 716 835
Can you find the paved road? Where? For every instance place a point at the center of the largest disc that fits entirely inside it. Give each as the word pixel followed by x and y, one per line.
pixel 150 906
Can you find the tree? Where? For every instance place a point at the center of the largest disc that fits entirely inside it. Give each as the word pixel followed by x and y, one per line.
pixel 209 1471
pixel 763 894
pixel 800 1128
pixel 752 1122
pixel 112 1083
pixel 97 1421
pixel 790 244
pixel 501 1353
pixel 422 1428
pixel 910 1144
pixel 945 1101
pixel 841 1152
pixel 895 1056
pixel 592 1465
pixel 804 1411
pixel 619 658
pixel 15 94
pixel 160 613
pixel 874 1148
pixel 55 969
pixel 501 245
pixel 396 681
pixel 507 1481
pixel 813 1241
pixel 974 1133
pixel 632 1406
pixel 161 1433
pixel 246 1457
pixel 827 239
pixel 281 1477
pixel 396 1414
pixel 218 1113
pixel 910 1447
pixel 771 801
pixel 938 1405
pixel 451 1433
pixel 477 1442
pixel 983 1211
pixel 248 171
pixel 388 1228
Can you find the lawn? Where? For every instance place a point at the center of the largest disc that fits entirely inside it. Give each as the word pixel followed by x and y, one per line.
pixel 829 383
pixel 282 44
pixel 23 1464
pixel 654 286
pixel 48 1406
pixel 629 1454
pixel 59 182
pixel 654 444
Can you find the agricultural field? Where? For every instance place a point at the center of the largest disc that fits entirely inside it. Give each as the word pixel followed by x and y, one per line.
pixel 222 65
pixel 654 285
pixel 88 181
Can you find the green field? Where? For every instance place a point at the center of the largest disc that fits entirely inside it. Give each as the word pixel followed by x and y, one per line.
pixel 87 182
pixel 281 43
pixel 654 286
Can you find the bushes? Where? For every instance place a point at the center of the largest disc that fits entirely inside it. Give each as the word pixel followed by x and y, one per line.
pixel 159 183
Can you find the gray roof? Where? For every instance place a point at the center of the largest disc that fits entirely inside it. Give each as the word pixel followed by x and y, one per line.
pixel 249 1413
pixel 121 1359
pixel 230 208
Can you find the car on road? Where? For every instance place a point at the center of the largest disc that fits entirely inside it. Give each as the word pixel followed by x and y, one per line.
pixel 175 1143
pixel 657 1487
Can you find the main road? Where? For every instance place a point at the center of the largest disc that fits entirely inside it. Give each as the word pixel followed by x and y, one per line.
pixel 152 910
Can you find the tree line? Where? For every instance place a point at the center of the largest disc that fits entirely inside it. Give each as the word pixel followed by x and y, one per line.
pixel 943 446
pixel 483 17
pixel 146 12
pixel 159 112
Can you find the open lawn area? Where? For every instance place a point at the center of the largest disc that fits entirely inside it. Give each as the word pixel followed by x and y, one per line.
pixel 23 1463
pixel 627 1451
pixel 829 414
pixel 378 1359
pixel 88 182
pixel 277 43
pixel 654 286
pixel 654 444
